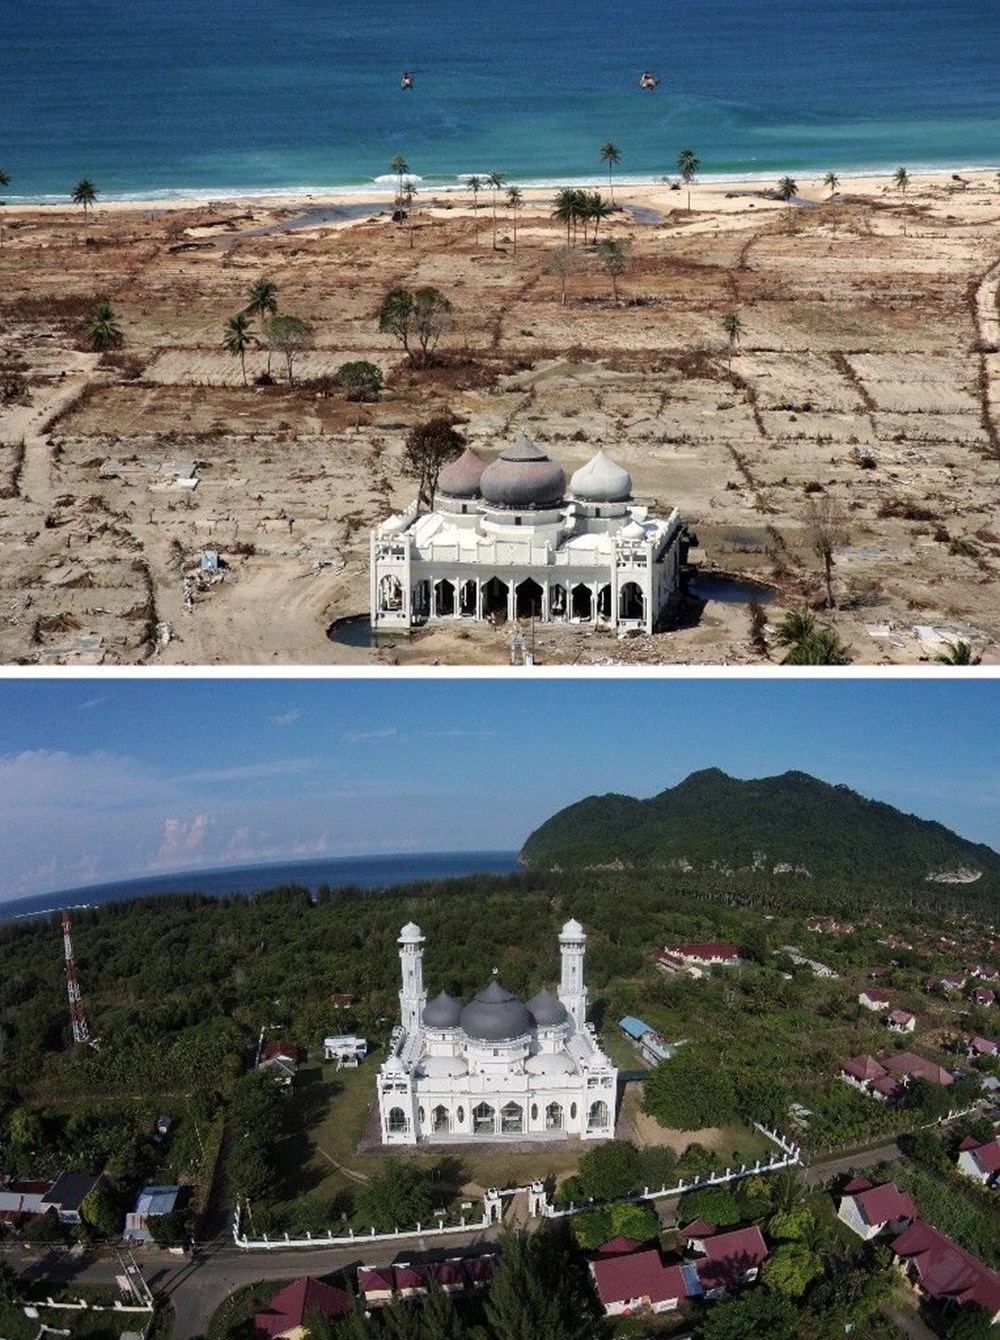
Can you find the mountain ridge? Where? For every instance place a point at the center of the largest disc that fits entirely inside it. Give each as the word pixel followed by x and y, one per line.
pixel 790 825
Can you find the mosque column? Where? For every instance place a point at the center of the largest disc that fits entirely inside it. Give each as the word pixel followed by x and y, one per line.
pixel 572 992
pixel 412 996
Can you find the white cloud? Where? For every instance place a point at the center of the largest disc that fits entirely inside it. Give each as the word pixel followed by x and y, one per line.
pixel 287 718
pixel 371 736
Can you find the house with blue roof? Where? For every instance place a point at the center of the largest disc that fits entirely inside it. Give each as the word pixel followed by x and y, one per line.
pixel 151 1202
pixel 651 1046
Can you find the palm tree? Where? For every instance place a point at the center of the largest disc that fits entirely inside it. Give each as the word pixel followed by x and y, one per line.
pixel 565 210
pixel 733 327
pixel 400 166
pixel 475 186
pixel 901 179
pixel 262 302
pixel 237 338
pixel 612 155
pixel 596 209
pixel 788 189
pixel 831 181
pixel 515 200
pixel 958 653
pixel 84 193
pixel 494 181
pixel 102 330
pixel 687 165
pixel 809 644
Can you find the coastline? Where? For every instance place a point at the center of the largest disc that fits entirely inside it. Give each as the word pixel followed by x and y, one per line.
pixel 709 189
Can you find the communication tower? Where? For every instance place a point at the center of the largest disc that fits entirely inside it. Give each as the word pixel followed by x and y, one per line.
pixel 81 1030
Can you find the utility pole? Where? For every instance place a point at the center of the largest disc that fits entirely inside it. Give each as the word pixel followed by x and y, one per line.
pixel 77 1017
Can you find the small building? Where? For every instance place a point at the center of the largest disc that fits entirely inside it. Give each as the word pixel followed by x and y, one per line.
pixel 909 1066
pixel 871 1211
pixel 873 1000
pixel 639 1280
pixel 977 1047
pixel 280 1060
pixel 944 1271
pixel 152 1202
pixel 711 954
pixel 22 1199
pixel 901 1021
pixel 345 1049
pixel 731 1259
pixel 871 1077
pixel 651 1046
pixel 67 1194
pixel 287 1314
pixel 341 1000
pixel 984 996
pixel 980 1160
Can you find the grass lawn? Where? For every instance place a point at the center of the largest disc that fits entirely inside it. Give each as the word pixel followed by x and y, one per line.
pixel 620 1049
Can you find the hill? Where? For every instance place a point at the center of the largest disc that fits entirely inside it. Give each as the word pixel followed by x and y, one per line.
pixel 793 826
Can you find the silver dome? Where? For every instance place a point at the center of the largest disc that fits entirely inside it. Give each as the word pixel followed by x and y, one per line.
pixel 495 1015
pixel 444 1011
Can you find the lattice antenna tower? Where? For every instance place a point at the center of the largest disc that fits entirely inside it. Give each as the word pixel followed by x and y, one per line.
pixel 81 1030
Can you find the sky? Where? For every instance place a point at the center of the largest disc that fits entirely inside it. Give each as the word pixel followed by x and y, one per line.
pixel 106 779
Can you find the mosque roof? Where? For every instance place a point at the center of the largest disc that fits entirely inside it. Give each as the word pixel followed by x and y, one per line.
pixel 523 476
pixel 572 929
pixel 411 932
pixel 495 1015
pixel 444 1011
pixel 546 1010
pixel 601 480
pixel 460 478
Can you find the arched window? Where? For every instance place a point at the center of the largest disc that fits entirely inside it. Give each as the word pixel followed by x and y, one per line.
pixel 483 1120
pixel 572 1111
pixel 534 1112
pixel 512 1119
pixel 420 1115
pixel 553 1117
pixel 598 1117
pixel 439 1119
pixel 460 1116
pixel 397 1119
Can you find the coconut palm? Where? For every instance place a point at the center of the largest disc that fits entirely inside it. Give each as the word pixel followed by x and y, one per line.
pixel 788 189
pixel 809 643
pixel 84 193
pixel 262 302
pixel 831 181
pixel 475 186
pixel 612 155
pixel 515 200
pixel 494 180
pixel 596 208
pixel 733 327
pixel 400 166
pixel 566 209
pixel 237 337
pixel 958 653
pixel 102 331
pixel 901 179
pixel 688 164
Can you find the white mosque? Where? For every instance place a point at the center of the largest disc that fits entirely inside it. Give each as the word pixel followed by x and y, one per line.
pixel 495 1069
pixel 507 541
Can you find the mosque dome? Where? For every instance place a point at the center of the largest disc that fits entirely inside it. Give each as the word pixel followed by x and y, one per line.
pixel 572 929
pixel 460 478
pixel 601 480
pixel 411 933
pixel 444 1011
pixel 546 1064
pixel 523 476
pixel 546 1010
pixel 635 530
pixel 441 1067
pixel 495 1015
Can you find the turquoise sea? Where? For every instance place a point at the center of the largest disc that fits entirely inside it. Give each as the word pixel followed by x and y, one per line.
pixel 224 97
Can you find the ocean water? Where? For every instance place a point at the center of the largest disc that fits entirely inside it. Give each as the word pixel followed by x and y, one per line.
pixel 218 97
pixel 367 872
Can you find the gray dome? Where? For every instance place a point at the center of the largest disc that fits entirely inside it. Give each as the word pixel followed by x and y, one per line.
pixel 444 1011
pixel 601 480
pixel 494 1015
pixel 546 1010
pixel 523 476
pixel 460 479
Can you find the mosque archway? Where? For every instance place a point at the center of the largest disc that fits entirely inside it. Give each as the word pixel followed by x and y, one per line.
pixel 397 1120
pixel 483 1120
pixel 581 602
pixel 631 602
pixel 604 602
pixel 421 599
pixel 468 599
pixel 512 1119
pixel 557 602
pixel 496 595
pixel 440 1120
pixel 390 592
pixel 598 1117
pixel 528 599
pixel 444 598
pixel 554 1117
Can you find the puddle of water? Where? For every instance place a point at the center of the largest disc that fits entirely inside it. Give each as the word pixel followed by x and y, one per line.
pixel 728 590
pixel 357 632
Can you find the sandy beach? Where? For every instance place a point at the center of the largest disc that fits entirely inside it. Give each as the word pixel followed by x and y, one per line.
pixel 867 371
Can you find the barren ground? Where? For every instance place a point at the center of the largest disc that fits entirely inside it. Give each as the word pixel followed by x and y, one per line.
pixel 869 320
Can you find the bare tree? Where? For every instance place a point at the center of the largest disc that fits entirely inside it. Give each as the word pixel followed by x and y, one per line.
pixel 826 529
pixel 562 262
pixel 616 256
pixel 429 446
pixel 288 335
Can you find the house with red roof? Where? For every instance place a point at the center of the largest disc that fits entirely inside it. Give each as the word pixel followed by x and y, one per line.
pixel 910 1066
pixel 642 1279
pixel 376 1284
pixel 871 1077
pixel 944 1271
pixel 731 1259
pixel 983 1047
pixel 983 995
pixel 871 1211
pixel 980 1159
pixel 280 1060
pixel 873 1000
pixel 901 1021
pixel 285 1316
